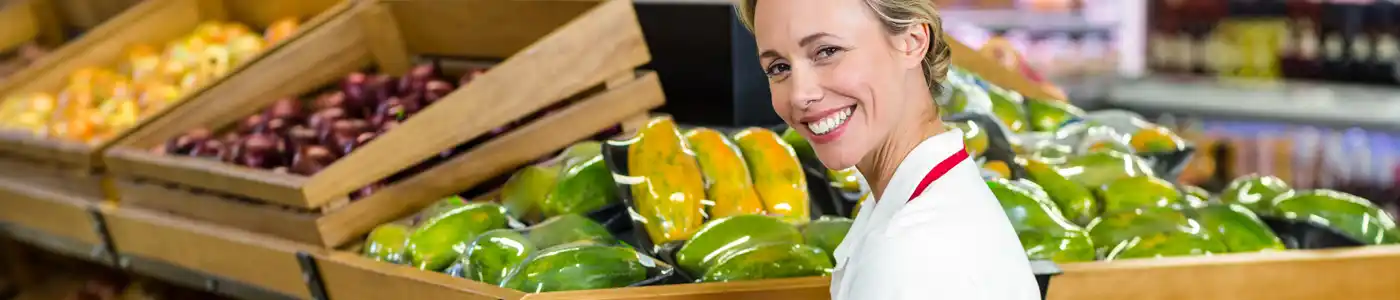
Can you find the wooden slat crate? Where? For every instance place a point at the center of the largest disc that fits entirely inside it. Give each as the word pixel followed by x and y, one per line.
pixel 151 22
pixel 28 20
pixel 46 211
pixel 585 52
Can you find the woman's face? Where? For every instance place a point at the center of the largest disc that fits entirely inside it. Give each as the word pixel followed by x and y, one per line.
pixel 836 75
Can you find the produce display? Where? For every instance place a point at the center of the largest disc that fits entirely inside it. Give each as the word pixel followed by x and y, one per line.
pixel 97 103
pixel 16 60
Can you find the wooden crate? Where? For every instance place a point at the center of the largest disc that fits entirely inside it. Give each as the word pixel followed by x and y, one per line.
pixel 24 21
pixel 553 50
pixel 994 72
pixel 151 22
pixel 55 214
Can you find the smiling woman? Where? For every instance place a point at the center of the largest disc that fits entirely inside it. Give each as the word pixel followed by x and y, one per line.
pixel 857 79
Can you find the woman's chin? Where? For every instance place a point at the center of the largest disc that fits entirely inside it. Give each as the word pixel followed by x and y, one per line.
pixel 833 159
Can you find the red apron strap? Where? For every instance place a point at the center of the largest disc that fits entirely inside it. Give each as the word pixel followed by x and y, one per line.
pixel 938 171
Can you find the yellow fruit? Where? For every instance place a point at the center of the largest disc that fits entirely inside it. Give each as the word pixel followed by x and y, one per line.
pixel 729 186
pixel 280 30
pixel 998 167
pixel 671 189
pixel 1155 139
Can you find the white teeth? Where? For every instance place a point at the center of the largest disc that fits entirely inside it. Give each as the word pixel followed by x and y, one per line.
pixel 825 125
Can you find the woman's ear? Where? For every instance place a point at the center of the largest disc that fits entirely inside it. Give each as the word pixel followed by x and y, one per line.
pixel 912 45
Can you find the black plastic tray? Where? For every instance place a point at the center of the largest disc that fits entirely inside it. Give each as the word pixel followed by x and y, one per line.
pixel 998 141
pixel 1297 234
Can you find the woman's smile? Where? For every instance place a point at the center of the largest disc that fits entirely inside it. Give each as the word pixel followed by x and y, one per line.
pixel 828 125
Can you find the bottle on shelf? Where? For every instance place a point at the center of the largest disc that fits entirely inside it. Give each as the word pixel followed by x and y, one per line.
pixel 1359 42
pixel 1201 18
pixel 1332 27
pixel 1165 39
pixel 1384 29
pixel 1302 48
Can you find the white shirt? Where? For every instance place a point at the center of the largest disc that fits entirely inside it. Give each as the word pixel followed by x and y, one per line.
pixel 952 242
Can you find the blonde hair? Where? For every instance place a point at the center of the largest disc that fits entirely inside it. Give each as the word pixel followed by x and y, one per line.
pixel 898 16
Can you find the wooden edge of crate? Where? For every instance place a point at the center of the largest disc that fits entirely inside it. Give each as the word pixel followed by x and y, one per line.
pixel 786 288
pixel 44 210
pixel 76 154
pixel 18 24
pixel 213 175
pixel 80 183
pixel 225 252
pixel 254 217
pixel 351 276
pixel 1347 273
pixel 994 72
pixel 570 56
pixel 499 155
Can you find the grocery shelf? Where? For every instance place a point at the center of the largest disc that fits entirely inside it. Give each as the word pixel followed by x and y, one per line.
pixel 197 280
pixel 62 245
pixel 1013 19
pixel 1329 104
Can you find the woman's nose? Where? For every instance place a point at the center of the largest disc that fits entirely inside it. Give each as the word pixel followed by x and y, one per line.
pixel 806 87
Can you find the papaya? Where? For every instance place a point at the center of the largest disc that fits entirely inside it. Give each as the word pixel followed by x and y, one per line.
pixel 584 150
pixel 777 174
pixel 1155 139
pixel 386 243
pixel 584 185
pixel 723 235
pixel 494 254
pixel 1240 229
pixel 669 194
pixel 800 145
pixel 975 137
pixel 1254 191
pixel 1097 168
pixel 1112 229
pixel 998 168
pixel 827 233
pixel 526 190
pixel 1007 107
pixel 1060 247
pixel 1076 202
pixel 847 180
pixel 727 179
pixel 772 260
pixel 443 206
pixel 569 228
pixel 1136 192
pixel 1027 207
pixel 578 267
pixel 1201 195
pixel 439 241
pixel 1048 115
pixel 1353 216
pixel 1166 244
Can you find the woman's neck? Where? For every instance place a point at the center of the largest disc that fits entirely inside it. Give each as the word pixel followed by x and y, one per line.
pixel 879 167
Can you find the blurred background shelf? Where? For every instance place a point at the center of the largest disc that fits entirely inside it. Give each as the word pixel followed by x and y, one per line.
pixel 1311 103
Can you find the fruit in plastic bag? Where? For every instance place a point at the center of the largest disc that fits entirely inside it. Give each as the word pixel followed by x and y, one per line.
pixel 1097 168
pixel 800 145
pixel 669 194
pixel 728 183
pixel 1006 106
pixel 440 240
pixel 767 261
pixel 974 137
pixel 584 150
pixel 1113 228
pixel 386 243
pixel 1238 227
pixel 827 233
pixel 524 192
pixel 1200 194
pixel 724 235
pixel 579 267
pixel 1077 202
pixel 443 206
pixel 1137 192
pixel 1156 139
pixel 569 228
pixel 494 254
pixel 847 180
pixel 1353 216
pixel 1048 115
pixel 777 174
pixel 584 185
pixel 1254 191
pixel 1166 244
pixel 1043 231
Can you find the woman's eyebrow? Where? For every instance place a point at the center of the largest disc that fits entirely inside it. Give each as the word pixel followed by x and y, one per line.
pixel 807 40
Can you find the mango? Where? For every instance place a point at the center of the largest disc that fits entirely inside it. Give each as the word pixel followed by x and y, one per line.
pixel 721 236
pixel 773 260
pixel 1137 192
pixel 800 145
pixel 494 254
pixel 1077 203
pixel 524 192
pixel 777 174
pixel 1255 192
pixel 728 184
pixel 585 185
pixel 671 188
pixel 1006 106
pixel 1239 228
pixel 1353 216
pixel 440 240
pixel 386 243
pixel 569 228
pixel 1097 168
pixel 827 233
pixel 1048 115
pixel 1155 139
pixel 579 267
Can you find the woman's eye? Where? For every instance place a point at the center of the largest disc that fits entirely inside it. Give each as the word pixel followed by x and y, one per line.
pixel 826 52
pixel 778 69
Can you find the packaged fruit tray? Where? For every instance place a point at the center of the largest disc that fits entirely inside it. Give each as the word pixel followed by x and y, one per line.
pixel 301 181
pixel 64 110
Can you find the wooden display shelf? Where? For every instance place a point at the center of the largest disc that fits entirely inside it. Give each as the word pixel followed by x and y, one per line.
pixel 152 22
pixel 992 71
pixel 48 212
pixel 583 52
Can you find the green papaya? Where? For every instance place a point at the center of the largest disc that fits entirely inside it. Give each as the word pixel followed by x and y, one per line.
pixel 1353 216
pixel 1200 195
pixel 526 190
pixel 772 260
pixel 827 233
pixel 1076 201
pixel 1113 228
pixel 578 267
pixel 1166 244
pixel 494 254
pixel 1048 115
pixel 668 196
pixel 1043 230
pixel 1137 192
pixel 724 235
pixel 729 185
pixel 440 240
pixel 975 137
pixel 585 185
pixel 777 174
pixel 569 228
pixel 1061 247
pixel 443 206
pixel 847 180
pixel 584 150
pixel 1097 168
pixel 800 145
pixel 386 243
pixel 1255 192
pixel 1239 228
pixel 1007 107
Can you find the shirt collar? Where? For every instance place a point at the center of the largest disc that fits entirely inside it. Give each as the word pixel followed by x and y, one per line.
pixel 918 163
